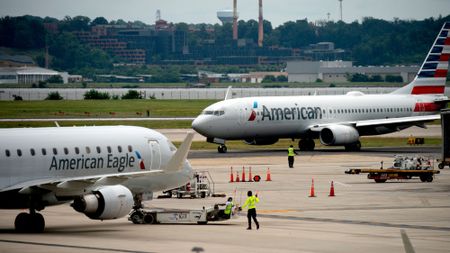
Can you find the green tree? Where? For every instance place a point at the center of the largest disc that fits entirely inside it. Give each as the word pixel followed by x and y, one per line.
pixel 132 94
pixel 54 96
pixel 99 21
pixel 55 79
pixel 94 94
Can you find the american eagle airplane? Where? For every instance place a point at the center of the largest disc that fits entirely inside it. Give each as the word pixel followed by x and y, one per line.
pixel 335 120
pixel 106 170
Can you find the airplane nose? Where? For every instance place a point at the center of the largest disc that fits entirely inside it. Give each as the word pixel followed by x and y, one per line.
pixel 198 125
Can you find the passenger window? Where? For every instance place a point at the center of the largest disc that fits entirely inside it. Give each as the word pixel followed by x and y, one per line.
pixel 7 153
pixel 32 152
pixel 44 151
pixel 88 150
pixel 55 151
pixel 109 149
pixel 19 152
pixel 66 151
pixel 130 148
pixel 77 150
pixel 98 150
pixel 119 148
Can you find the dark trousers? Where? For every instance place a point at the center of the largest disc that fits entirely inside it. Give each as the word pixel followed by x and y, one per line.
pixel 252 214
pixel 291 161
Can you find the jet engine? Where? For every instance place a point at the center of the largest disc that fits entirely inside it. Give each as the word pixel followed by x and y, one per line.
pixel 105 203
pixel 336 135
pixel 261 141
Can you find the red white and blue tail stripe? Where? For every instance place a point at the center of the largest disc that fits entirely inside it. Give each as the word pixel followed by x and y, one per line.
pixel 433 73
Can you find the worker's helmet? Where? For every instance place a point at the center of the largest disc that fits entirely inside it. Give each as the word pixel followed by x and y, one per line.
pixel 249 193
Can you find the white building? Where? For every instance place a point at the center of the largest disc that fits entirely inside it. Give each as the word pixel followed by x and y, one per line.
pixel 26 75
pixel 339 71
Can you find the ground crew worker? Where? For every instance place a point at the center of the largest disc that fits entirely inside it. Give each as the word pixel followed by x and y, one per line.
pixel 250 203
pixel 291 154
pixel 229 205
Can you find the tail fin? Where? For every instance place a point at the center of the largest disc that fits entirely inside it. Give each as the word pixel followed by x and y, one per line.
pixel 178 159
pixel 433 73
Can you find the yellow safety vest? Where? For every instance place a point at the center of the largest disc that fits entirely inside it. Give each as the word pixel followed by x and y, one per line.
pixel 228 208
pixel 291 152
pixel 251 202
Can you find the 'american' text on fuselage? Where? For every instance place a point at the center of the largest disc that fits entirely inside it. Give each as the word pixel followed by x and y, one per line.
pixel 291 113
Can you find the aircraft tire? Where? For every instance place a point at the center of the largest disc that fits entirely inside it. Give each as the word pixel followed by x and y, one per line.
pixel 38 223
pixel 136 217
pixel 22 222
pixel 29 223
pixel 441 166
pixel 222 149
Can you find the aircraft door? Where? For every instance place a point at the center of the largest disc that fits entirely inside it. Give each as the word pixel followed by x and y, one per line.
pixel 155 150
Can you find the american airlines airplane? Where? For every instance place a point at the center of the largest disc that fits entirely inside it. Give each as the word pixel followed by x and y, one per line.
pixel 335 120
pixel 106 170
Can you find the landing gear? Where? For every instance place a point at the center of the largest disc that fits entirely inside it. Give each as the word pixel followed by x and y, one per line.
pixel 222 149
pixel 306 145
pixel 30 222
pixel 353 147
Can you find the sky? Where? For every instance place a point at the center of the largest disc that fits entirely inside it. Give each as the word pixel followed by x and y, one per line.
pixel 205 11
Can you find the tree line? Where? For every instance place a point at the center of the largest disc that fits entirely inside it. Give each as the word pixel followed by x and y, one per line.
pixel 371 41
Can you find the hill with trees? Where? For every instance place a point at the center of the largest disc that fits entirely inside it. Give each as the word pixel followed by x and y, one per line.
pixel 370 42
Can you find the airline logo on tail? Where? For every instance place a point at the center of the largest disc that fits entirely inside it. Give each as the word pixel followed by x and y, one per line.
pixel 433 73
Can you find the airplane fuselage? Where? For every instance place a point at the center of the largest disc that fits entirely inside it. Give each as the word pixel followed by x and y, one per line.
pixel 293 117
pixel 46 155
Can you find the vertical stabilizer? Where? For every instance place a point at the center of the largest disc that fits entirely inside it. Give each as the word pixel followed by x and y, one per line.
pixel 433 73
pixel 229 93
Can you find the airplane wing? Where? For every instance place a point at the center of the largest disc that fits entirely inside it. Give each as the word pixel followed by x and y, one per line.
pixel 413 120
pixel 79 182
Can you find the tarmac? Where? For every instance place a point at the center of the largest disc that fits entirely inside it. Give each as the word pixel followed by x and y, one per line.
pixel 364 216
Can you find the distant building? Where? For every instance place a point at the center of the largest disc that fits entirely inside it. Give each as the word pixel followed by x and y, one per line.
pixel 28 75
pixel 339 71
pixel 258 77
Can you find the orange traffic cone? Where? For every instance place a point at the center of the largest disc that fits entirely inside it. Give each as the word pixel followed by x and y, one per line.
pixel 268 175
pixel 331 190
pixel 243 174
pixel 311 193
pixel 231 175
pixel 237 177
pixel 250 174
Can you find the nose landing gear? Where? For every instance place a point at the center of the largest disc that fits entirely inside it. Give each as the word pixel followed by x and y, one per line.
pixel 222 149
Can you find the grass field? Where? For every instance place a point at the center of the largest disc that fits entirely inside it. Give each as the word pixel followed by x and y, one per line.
pixel 102 108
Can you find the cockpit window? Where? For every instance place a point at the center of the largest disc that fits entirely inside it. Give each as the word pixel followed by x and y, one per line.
pixel 215 113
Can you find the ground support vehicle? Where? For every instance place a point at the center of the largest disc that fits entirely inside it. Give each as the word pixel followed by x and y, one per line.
pixel 382 175
pixel 201 186
pixel 175 216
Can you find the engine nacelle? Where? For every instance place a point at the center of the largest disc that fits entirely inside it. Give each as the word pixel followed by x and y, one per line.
pixel 338 135
pixel 105 203
pixel 261 141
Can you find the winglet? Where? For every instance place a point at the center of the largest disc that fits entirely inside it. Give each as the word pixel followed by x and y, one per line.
pixel 229 93
pixel 177 161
